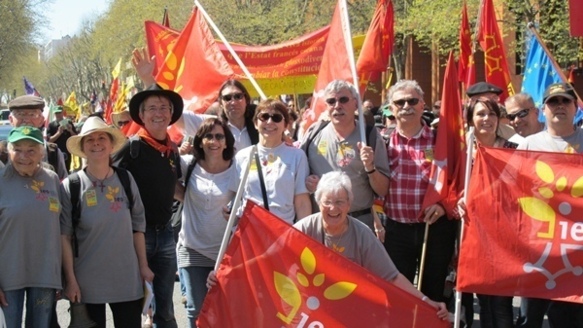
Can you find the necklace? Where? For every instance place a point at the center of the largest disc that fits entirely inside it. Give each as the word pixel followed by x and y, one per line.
pixel 98 182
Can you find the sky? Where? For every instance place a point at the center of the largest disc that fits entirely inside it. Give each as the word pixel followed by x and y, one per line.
pixel 66 16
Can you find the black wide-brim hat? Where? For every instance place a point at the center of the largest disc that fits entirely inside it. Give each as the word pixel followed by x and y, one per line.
pixel 156 90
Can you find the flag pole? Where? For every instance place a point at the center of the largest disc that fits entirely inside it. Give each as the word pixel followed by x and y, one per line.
pixel 236 205
pixel 423 255
pixel 558 68
pixel 350 50
pixel 470 147
pixel 231 51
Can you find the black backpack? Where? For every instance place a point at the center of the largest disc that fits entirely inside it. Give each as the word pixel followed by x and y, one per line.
pixel 75 189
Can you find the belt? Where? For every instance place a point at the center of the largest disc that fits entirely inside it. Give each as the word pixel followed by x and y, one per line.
pixel 356 214
pixel 157 227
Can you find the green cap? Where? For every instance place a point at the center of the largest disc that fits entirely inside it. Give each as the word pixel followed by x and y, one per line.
pixel 25 132
pixel 386 110
pixel 58 109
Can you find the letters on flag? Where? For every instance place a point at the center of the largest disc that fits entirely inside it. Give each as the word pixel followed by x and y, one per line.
pixel 524 231
pixel 275 276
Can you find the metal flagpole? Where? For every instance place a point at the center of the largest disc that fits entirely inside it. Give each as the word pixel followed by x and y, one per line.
pixel 458 294
pixel 350 50
pixel 236 205
pixel 231 51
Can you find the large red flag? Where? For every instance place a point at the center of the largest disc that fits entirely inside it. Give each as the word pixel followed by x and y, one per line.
pixel 378 44
pixel 160 41
pixel 275 276
pixel 494 55
pixel 576 17
pixel 195 67
pixel 448 166
pixel 335 64
pixel 524 231
pixel 466 68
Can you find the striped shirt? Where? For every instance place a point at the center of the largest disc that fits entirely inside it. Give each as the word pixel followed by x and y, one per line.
pixel 410 167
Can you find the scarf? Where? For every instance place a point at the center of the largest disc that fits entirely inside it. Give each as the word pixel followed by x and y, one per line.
pixel 162 148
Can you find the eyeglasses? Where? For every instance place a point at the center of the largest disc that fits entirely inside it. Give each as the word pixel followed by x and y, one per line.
pixel 276 118
pixel 401 102
pixel 216 136
pixel 333 101
pixel 236 96
pixel 336 203
pixel 122 123
pixel 22 115
pixel 162 109
pixel 558 101
pixel 520 114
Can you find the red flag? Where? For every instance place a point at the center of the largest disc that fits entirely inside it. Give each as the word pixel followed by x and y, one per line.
pixel 448 166
pixel 111 100
pixel 378 43
pixel 195 67
pixel 524 232
pixel 466 69
pixel 160 40
pixel 576 17
pixel 273 276
pixel 335 64
pixel 494 55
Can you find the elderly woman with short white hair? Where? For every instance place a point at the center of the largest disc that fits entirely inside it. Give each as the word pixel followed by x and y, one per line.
pixel 30 247
pixel 346 235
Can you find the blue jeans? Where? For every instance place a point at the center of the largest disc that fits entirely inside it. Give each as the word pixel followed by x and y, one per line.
pixel 161 253
pixel 39 307
pixel 195 283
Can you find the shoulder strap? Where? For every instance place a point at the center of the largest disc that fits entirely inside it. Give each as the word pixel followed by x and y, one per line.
pixel 189 172
pixel 124 178
pixel 261 181
pixel 75 190
pixel 134 146
pixel 312 134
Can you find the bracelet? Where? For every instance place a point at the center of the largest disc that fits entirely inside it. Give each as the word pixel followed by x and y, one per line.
pixel 424 298
pixel 379 230
pixel 374 169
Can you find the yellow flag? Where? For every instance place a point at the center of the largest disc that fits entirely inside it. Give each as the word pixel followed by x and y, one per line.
pixel 71 102
pixel 120 103
pixel 116 70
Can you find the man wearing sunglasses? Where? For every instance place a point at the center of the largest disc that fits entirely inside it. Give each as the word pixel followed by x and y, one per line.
pixel 523 115
pixel 335 146
pixel 410 153
pixel 560 136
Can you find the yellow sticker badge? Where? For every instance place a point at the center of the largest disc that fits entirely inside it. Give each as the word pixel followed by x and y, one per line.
pixel 91 197
pixel 54 204
pixel 322 147
pixel 428 155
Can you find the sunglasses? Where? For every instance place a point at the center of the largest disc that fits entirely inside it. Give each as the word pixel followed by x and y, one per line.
pixel 122 123
pixel 216 136
pixel 401 102
pixel 236 96
pixel 274 117
pixel 520 114
pixel 558 101
pixel 333 101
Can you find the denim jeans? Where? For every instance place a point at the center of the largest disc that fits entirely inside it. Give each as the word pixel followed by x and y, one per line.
pixel 39 307
pixel 404 243
pixel 495 311
pixel 161 253
pixel 195 283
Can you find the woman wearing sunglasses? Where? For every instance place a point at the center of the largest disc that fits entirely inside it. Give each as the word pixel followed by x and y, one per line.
pixel 278 172
pixel 207 192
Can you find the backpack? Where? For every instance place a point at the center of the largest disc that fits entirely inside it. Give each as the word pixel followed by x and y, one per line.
pixel 75 189
pixel 313 133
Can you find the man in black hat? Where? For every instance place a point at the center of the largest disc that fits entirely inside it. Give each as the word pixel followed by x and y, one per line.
pixel 28 111
pixel 59 131
pixel 153 160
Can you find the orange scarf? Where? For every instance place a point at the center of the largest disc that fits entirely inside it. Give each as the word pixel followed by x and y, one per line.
pixel 162 148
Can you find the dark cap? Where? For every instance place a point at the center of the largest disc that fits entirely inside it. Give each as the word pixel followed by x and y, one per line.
pixel 156 90
pixel 481 88
pixel 26 102
pixel 559 89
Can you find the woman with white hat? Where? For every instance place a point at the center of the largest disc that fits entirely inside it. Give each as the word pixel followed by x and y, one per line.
pixel 109 262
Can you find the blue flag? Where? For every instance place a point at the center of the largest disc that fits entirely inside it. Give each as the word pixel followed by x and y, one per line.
pixel 539 73
pixel 29 89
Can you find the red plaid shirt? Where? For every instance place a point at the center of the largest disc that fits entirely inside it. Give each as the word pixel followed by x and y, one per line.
pixel 410 167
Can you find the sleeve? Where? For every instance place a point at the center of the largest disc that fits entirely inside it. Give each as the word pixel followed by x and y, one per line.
pixel 192 121
pixel 62 170
pixel 381 159
pixel 185 160
pixel 375 258
pixel 51 129
pixel 122 157
pixel 138 211
pixel 303 171
pixel 523 145
pixel 66 220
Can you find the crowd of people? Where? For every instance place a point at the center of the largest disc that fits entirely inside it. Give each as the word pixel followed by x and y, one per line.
pixel 107 227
